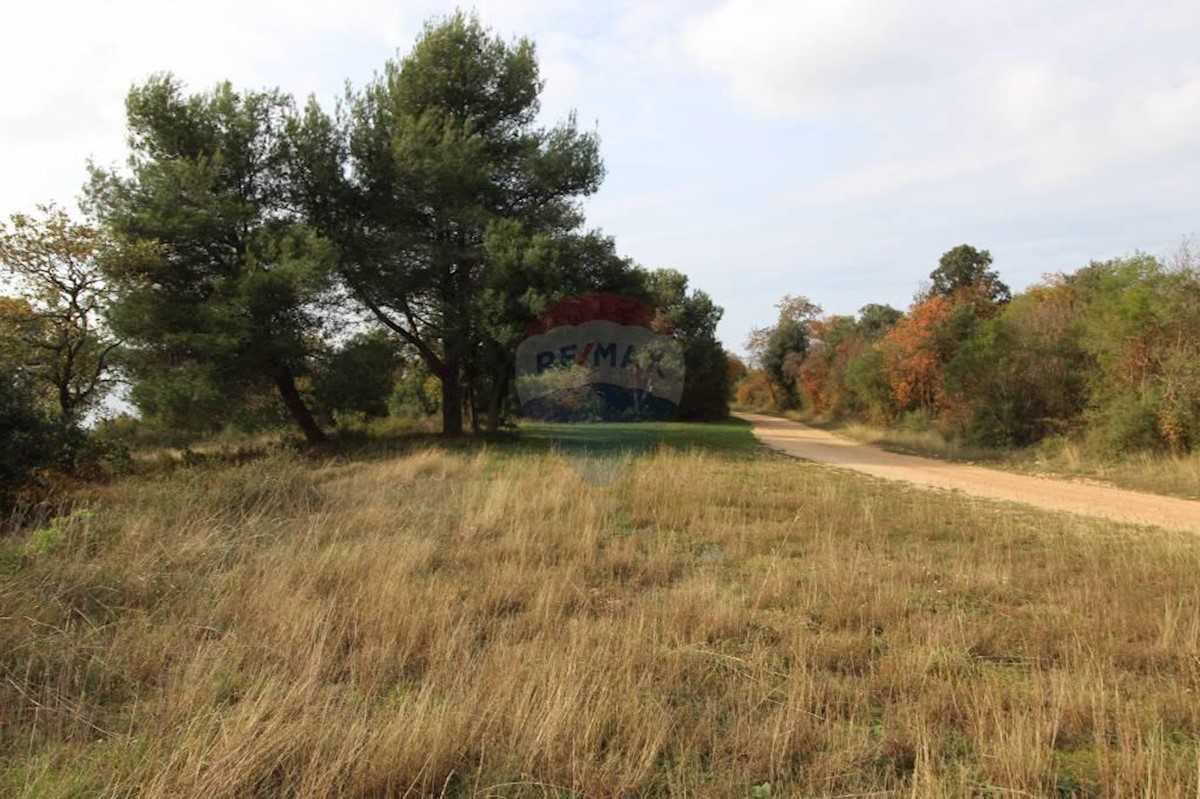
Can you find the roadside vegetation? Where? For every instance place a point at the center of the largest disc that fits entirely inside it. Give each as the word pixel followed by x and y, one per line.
pixel 478 619
pixel 1172 474
pixel 1092 373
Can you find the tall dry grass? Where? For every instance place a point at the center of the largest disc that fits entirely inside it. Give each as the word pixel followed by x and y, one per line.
pixel 490 624
pixel 1159 473
pixel 1170 474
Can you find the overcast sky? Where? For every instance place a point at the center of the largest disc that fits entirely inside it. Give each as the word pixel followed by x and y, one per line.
pixel 764 147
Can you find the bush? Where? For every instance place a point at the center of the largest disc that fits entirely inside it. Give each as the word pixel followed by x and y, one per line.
pixel 416 393
pixel 1125 425
pixel 705 382
pixel 100 455
pixel 866 382
pixel 356 379
pixel 755 393
pixel 31 440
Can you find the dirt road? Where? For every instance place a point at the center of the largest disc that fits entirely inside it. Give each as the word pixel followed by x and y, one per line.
pixel 1118 504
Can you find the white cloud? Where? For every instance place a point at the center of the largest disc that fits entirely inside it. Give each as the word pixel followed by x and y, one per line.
pixel 874 180
pixel 853 138
pixel 1067 126
pixel 785 58
pixel 68 66
pixel 1052 93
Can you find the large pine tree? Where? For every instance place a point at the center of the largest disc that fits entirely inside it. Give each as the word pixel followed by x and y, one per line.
pixel 438 149
pixel 222 300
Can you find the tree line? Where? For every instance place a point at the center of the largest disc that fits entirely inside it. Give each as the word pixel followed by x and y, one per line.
pixel 255 253
pixel 1109 354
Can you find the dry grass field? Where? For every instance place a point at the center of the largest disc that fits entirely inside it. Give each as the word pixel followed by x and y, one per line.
pixel 484 621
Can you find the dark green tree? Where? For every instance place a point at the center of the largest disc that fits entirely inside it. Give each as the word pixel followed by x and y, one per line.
pixel 866 381
pixel 224 296
pixel 693 316
pixel 527 274
pixel 779 350
pixel 440 147
pixel 1141 330
pixel 966 268
pixel 30 439
pixel 359 376
pixel 30 435
pixel 1017 376
pixel 874 320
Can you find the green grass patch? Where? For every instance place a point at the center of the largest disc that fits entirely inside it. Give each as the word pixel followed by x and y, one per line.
pixel 731 436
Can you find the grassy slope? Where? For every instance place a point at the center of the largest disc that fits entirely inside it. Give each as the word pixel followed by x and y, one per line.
pixel 489 621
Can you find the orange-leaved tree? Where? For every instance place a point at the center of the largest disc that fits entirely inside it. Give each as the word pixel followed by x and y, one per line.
pixel 915 352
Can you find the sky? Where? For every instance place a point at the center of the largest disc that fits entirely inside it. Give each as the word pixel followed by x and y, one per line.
pixel 829 148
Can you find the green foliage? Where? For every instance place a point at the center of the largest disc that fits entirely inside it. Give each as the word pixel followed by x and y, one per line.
pixel 55 331
pixel 864 377
pixel 780 350
pixel 44 542
pixel 1020 376
pixel 1111 353
pixel 416 392
pixel 874 320
pixel 433 197
pixel 100 455
pixel 1123 424
pixel 130 432
pixel 439 148
pixel 220 280
pixel 358 376
pixel 844 372
pixel 31 439
pixel 693 317
pixel 1141 328
pixel 1178 412
pixel 966 268
pixel 528 273
pixel 188 396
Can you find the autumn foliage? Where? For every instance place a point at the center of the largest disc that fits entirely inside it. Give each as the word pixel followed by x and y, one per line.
pixel 755 392
pixel 915 354
pixel 1109 354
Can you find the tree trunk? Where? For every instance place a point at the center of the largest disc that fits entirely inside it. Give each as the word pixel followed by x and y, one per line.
pixel 474 409
pixel 66 404
pixel 452 400
pixel 496 403
pixel 285 381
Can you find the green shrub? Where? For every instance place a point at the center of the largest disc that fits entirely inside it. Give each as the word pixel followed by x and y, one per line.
pixel 1125 425
pixel 31 439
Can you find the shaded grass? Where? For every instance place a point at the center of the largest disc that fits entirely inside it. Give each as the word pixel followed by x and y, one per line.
pixel 488 622
pixel 729 437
